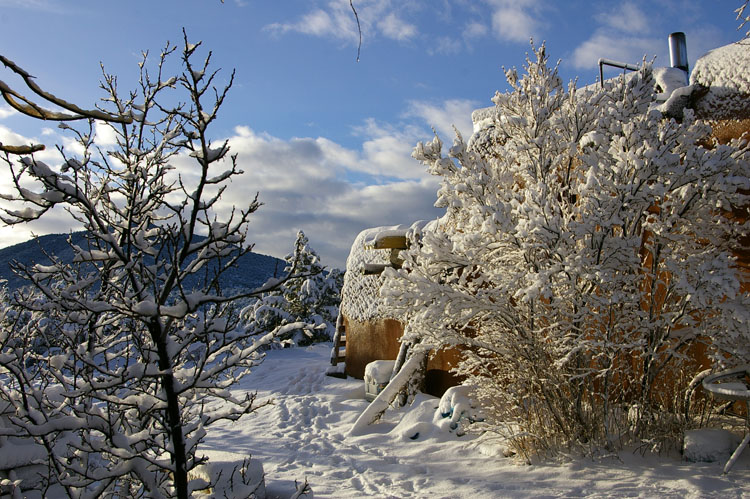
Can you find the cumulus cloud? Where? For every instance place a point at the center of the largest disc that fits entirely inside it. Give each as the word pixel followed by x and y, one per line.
pixel 330 191
pixel 386 150
pixel 304 184
pixel 6 111
pixel 516 20
pixel 383 17
pixel 444 116
pixel 624 33
pixel 619 47
pixel 395 28
pixel 104 134
pixel 54 221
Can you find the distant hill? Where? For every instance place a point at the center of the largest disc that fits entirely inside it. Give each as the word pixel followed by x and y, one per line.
pixel 252 270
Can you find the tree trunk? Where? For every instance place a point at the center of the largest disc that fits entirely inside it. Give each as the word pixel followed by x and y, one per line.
pixel 178 452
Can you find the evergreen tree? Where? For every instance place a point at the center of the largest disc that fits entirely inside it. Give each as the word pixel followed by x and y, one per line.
pixel 313 299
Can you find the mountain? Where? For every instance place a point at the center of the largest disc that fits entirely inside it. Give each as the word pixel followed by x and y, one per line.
pixel 252 270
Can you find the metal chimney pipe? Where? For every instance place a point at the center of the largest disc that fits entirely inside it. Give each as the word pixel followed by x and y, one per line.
pixel 678 51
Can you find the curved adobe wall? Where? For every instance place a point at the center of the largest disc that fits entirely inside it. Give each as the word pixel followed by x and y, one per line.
pixel 378 339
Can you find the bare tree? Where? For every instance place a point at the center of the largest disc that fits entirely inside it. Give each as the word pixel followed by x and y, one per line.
pixel 126 354
pixel 743 17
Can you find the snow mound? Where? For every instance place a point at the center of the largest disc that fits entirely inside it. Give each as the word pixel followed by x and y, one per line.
pixel 709 445
pixel 418 421
pixel 725 73
pixel 668 80
pixel 227 479
pixel 458 409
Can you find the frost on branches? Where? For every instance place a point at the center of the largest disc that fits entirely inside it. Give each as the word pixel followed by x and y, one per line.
pixel 587 247
pixel 112 363
pixel 313 299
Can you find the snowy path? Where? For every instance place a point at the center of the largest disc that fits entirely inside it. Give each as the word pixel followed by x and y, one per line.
pixel 304 435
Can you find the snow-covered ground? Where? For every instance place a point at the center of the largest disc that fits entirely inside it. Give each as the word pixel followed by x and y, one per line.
pixel 304 435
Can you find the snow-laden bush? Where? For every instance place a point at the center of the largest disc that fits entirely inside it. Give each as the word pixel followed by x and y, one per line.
pixel 313 299
pixel 117 364
pixel 587 247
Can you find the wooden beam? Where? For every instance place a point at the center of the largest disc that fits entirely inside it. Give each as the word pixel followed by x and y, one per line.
pixel 389 242
pixel 377 268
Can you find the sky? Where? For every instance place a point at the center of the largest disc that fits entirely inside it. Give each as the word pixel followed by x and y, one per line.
pixel 325 139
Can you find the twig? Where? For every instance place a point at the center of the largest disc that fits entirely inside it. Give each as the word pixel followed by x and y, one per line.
pixel 35 111
pixel 359 28
pixel 32 148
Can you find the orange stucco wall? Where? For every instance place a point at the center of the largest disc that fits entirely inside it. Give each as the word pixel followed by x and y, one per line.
pixel 378 339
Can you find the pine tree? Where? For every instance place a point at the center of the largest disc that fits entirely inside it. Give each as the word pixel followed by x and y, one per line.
pixel 313 299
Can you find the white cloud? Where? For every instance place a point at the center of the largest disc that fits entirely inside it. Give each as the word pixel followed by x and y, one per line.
pixel 395 28
pixel 337 21
pixel 386 150
pixel 313 184
pixel 8 136
pixel 626 17
pixel 446 45
pixel 516 20
pixel 622 48
pixel 39 5
pixel 334 23
pixel 475 30
pixel 104 134
pixel 54 221
pixel 626 32
pixel 6 111
pixel 443 117
pixel 303 185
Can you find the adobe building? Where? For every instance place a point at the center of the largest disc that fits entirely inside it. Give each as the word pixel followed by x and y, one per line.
pixel 718 90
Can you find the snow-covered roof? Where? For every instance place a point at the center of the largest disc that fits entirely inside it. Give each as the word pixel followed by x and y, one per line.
pixel 671 97
pixel 725 73
pixel 360 296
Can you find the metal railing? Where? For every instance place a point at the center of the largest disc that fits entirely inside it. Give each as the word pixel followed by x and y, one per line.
pixel 616 64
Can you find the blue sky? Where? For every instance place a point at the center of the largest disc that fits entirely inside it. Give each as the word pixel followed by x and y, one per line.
pixel 325 139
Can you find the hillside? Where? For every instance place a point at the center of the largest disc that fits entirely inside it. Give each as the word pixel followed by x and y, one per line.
pixel 253 269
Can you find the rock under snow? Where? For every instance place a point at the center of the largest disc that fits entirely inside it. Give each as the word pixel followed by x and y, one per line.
pixel 458 409
pixel 230 479
pixel 708 445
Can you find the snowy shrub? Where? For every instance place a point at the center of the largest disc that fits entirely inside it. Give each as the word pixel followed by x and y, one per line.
pixel 118 365
pixel 586 249
pixel 313 299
